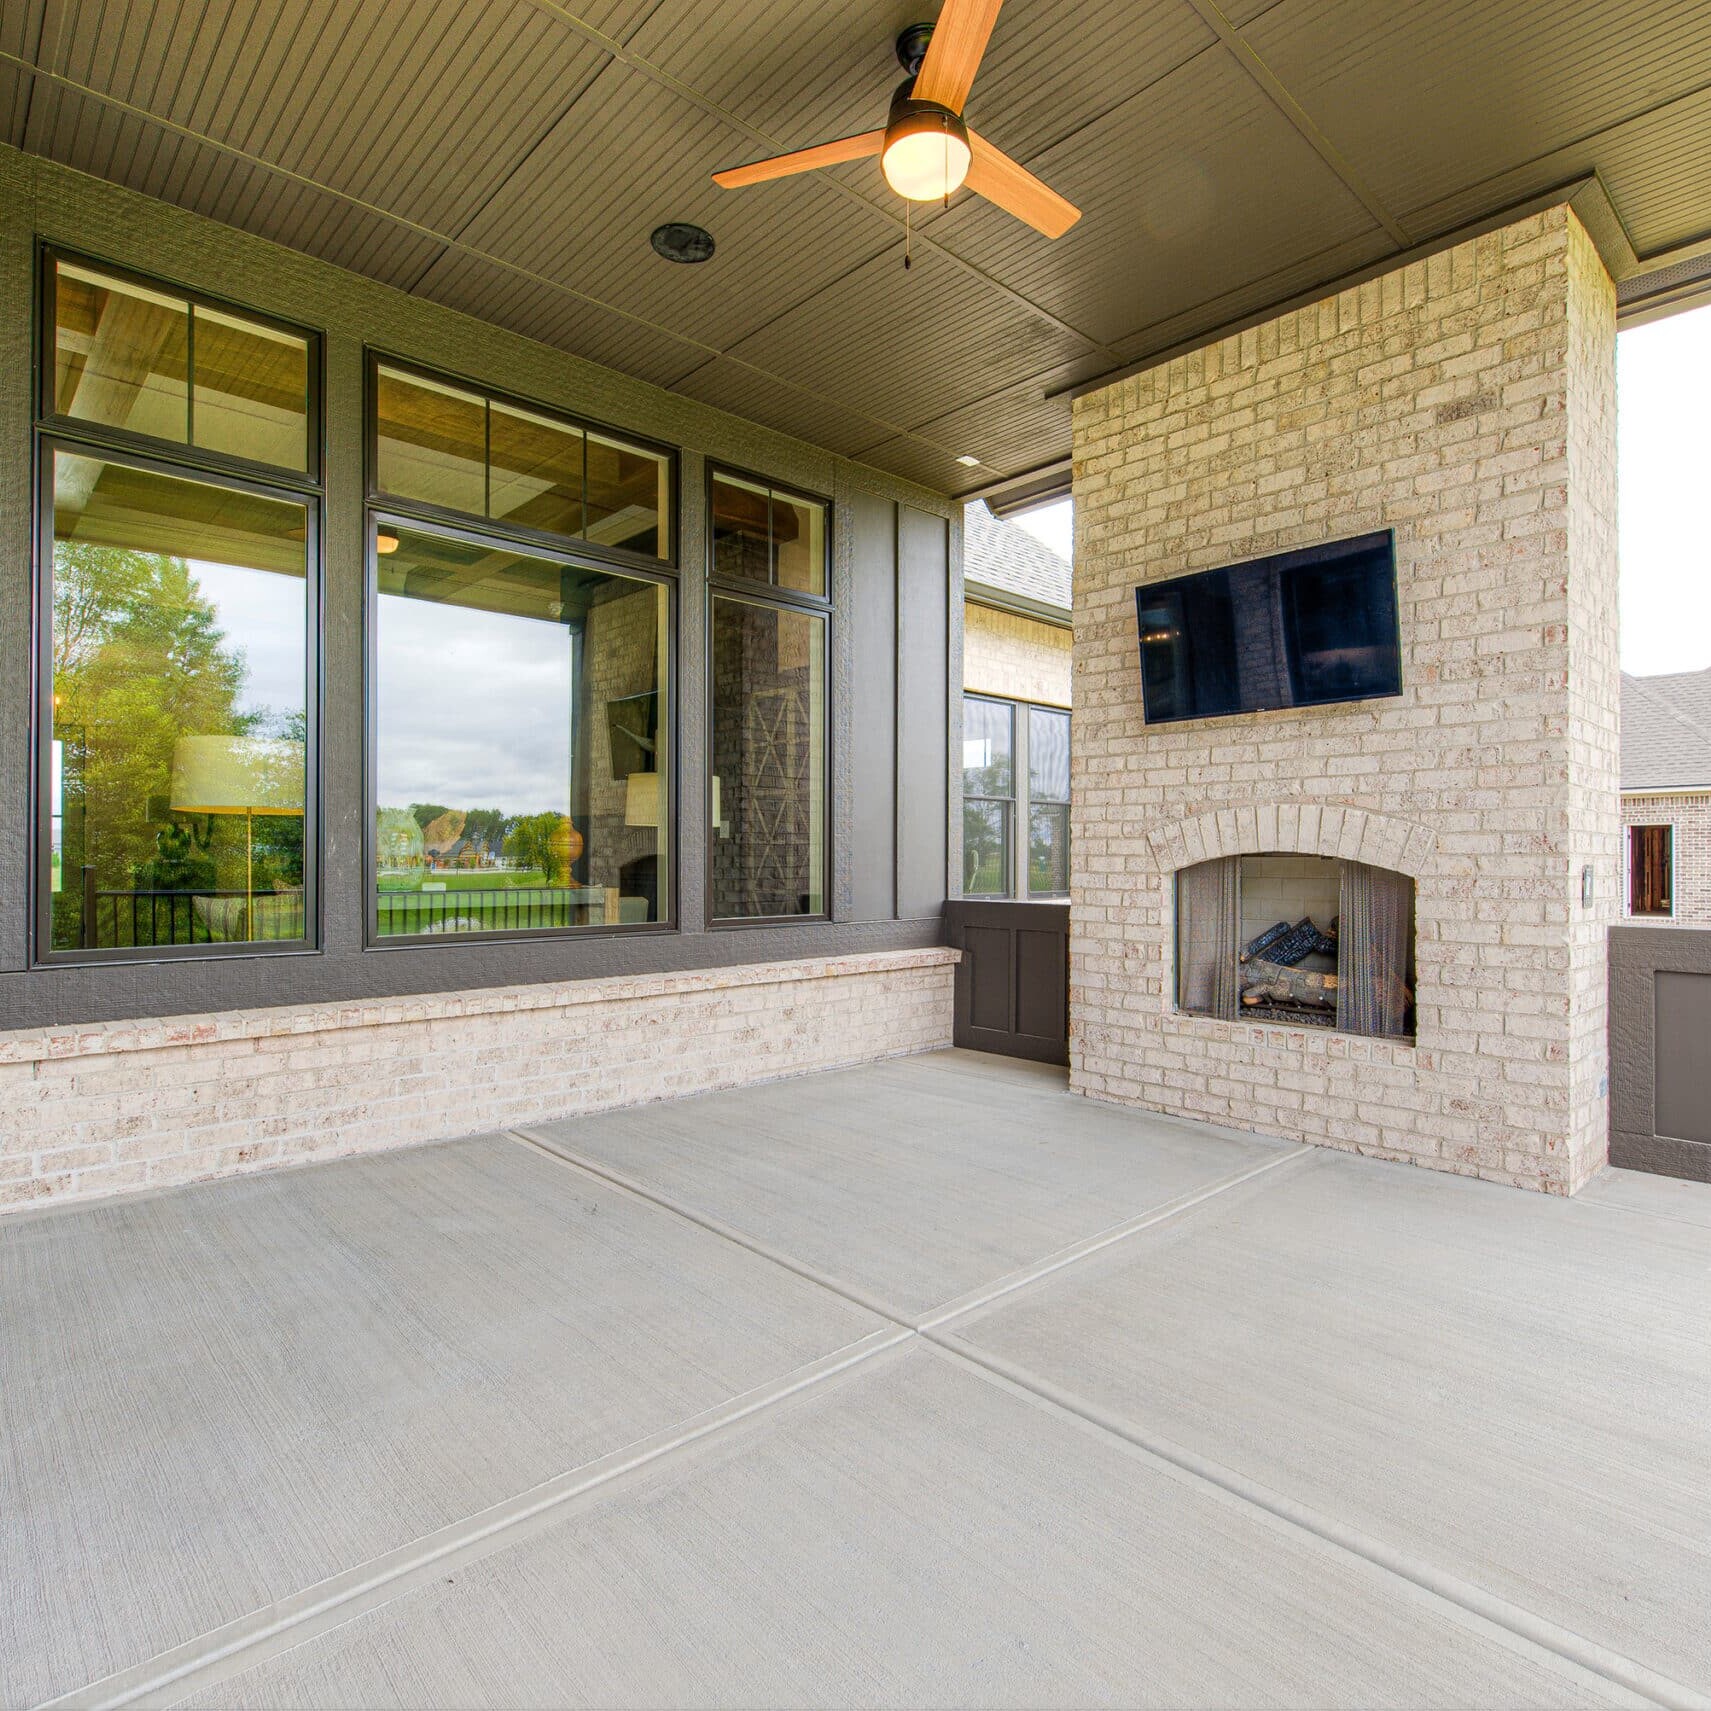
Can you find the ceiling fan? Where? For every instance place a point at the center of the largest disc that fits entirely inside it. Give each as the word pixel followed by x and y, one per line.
pixel 926 150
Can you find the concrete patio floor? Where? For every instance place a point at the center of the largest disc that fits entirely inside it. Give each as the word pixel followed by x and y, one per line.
pixel 918 1384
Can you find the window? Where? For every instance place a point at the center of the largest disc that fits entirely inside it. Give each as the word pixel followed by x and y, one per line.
pixel 1048 802
pixel 521 764
pixel 1015 774
pixel 175 763
pixel 988 796
pixel 770 645
pixel 139 359
pixel 1651 853
pixel 763 535
pixel 451 449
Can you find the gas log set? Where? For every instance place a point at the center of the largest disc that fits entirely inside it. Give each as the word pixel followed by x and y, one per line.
pixel 1275 988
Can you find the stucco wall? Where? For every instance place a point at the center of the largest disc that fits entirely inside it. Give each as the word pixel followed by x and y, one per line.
pixel 1467 402
pixel 1018 658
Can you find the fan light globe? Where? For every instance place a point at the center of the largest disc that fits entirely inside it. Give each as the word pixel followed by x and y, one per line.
pixel 926 153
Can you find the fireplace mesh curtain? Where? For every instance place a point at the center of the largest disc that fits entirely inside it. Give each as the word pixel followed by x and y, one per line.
pixel 1208 922
pixel 1372 950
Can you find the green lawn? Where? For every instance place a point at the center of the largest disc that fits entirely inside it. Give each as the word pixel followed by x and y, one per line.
pixel 476 902
pixel 472 879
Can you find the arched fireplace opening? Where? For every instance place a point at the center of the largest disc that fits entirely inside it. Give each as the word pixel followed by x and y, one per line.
pixel 1297 940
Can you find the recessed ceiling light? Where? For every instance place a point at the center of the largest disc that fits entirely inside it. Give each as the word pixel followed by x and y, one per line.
pixel 677 240
pixel 969 462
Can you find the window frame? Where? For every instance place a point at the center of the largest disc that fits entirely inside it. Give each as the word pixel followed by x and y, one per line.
pixel 375 496
pixel 1629 829
pixel 51 432
pixel 311 478
pixel 1028 893
pixel 523 542
pixel 42 950
pixel 1020 802
pixel 769 595
pixel 1010 803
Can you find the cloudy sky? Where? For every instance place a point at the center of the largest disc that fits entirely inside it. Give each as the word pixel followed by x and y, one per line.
pixel 474 709
pixel 1663 373
pixel 264 615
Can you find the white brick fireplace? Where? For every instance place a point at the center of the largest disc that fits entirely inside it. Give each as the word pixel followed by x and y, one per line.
pixel 1467 402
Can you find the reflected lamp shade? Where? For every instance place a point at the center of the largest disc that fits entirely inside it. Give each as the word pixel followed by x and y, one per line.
pixel 644 800
pixel 237 775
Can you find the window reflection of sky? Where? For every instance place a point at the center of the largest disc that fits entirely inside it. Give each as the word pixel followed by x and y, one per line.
pixel 473 709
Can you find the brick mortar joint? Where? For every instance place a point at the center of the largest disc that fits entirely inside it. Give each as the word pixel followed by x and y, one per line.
pixel 104 1039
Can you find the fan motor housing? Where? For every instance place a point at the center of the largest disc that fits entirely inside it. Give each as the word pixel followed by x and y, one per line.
pixel 908 115
pixel 912 47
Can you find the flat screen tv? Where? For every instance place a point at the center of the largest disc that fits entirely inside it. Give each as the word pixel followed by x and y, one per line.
pixel 1300 629
pixel 632 733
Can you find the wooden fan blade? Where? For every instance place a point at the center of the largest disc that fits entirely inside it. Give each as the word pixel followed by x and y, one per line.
pixel 994 175
pixel 953 54
pixel 802 160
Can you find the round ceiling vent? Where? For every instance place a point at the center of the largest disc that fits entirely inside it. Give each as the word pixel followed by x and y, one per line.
pixel 680 241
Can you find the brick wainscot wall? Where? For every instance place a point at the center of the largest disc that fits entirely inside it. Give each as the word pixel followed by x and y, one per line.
pixel 1467 402
pixel 90 1110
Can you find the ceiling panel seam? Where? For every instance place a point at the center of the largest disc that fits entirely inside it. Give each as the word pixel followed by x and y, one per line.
pixel 534 148
pixel 1272 87
pixel 33 50
pixel 688 92
pixel 46 51
pixel 892 430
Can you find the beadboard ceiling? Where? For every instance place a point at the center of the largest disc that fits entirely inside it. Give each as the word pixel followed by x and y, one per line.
pixel 510 157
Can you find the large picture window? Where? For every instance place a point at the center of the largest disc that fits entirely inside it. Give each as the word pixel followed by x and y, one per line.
pixel 522 769
pixel 176 808
pixel 178 716
pixel 521 739
pixel 770 651
pixel 1015 775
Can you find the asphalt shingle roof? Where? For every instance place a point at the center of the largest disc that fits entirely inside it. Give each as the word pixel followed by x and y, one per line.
pixel 1666 731
pixel 1004 556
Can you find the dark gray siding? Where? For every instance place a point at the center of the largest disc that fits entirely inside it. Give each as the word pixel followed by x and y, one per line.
pixel 923 708
pixel 871 769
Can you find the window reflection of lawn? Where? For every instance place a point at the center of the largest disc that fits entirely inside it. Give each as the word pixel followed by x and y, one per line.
pixel 463 879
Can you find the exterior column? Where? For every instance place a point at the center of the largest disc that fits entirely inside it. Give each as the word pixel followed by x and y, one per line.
pixel 1466 401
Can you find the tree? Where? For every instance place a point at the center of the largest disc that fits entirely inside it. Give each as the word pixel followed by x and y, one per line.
pixel 139 660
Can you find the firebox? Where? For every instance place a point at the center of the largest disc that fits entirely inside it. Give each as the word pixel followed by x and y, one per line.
pixel 1297 940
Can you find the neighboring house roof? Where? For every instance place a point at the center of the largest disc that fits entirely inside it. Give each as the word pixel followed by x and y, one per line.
pixel 1015 568
pixel 1666 732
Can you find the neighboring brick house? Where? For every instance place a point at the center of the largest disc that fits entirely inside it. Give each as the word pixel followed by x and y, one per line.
pixel 1666 798
pixel 1016 729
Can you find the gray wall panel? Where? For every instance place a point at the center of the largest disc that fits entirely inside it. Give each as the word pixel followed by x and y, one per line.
pixel 871 707
pixel 39 199
pixel 923 654
pixel 1660 1027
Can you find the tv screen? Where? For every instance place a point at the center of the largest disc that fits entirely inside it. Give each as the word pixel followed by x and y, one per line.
pixel 632 732
pixel 1300 629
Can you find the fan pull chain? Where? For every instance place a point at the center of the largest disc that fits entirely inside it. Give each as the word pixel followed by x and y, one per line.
pixel 907 207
